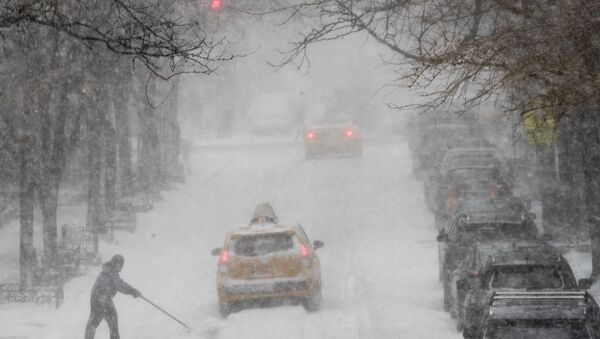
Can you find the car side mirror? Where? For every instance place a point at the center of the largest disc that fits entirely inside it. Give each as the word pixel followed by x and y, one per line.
pixel 442 236
pixel 216 252
pixel 585 284
pixel 547 237
pixel 318 244
pixel 470 333
pixel 531 216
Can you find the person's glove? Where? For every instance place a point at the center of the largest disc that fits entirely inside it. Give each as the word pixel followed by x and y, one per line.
pixel 136 293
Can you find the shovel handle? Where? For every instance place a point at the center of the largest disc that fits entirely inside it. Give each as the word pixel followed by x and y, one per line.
pixel 165 312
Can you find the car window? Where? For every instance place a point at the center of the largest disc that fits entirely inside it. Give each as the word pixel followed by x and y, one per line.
pixel 527 277
pixel 255 245
pixel 488 232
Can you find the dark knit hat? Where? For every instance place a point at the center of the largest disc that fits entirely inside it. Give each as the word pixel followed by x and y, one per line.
pixel 118 259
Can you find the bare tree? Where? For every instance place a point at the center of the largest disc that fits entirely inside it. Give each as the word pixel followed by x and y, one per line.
pixel 65 45
pixel 533 55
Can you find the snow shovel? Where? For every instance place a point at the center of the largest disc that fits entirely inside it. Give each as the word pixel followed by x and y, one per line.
pixel 188 329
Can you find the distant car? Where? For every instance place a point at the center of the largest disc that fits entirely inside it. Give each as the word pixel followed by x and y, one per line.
pixel 435 141
pixel 464 184
pixel 480 168
pixel 480 220
pixel 510 266
pixel 328 137
pixel 268 261
pixel 547 315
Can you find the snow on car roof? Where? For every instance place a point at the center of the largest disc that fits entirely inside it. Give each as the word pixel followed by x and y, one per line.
pixel 539 305
pixel 262 229
pixel 518 253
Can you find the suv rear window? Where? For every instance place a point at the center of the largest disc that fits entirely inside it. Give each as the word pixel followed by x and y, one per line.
pixel 254 245
pixel 527 277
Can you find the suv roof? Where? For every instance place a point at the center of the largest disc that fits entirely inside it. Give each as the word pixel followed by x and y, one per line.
pixel 539 305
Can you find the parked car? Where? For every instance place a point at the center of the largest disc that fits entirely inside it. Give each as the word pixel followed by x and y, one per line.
pixel 268 261
pixel 326 137
pixel 510 266
pixel 436 140
pixel 532 315
pixel 485 166
pixel 480 220
pixel 465 184
pixel 479 168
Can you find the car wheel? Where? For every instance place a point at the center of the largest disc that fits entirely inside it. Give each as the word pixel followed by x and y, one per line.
pixel 440 263
pixel 224 309
pixel 313 303
pixel 447 297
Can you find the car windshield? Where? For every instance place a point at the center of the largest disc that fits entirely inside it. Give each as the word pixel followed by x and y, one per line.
pixel 530 277
pixel 470 175
pixel 251 246
pixel 487 232
pixel 474 159
pixel 449 136
pixel 492 206
pixel 538 330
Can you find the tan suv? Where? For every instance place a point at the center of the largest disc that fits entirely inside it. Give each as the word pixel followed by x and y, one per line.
pixel 268 261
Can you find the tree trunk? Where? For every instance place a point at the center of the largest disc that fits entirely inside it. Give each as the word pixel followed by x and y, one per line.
pixel 95 209
pixel 123 147
pixel 27 257
pixel 110 183
pixel 49 206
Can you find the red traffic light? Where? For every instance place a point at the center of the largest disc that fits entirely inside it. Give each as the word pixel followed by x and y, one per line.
pixel 216 4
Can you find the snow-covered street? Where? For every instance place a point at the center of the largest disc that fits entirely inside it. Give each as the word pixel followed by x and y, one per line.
pixel 379 263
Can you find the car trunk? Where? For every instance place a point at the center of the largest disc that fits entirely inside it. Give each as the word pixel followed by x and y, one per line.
pixel 265 256
pixel 244 268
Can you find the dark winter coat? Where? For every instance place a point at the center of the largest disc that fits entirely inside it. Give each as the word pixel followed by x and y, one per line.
pixel 109 283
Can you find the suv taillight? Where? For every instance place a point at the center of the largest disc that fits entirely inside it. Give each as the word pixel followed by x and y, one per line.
pixel 310 135
pixel 303 250
pixel 224 257
pixel 349 133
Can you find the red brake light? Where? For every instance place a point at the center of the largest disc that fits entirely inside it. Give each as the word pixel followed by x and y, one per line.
pixel 473 274
pixel 303 250
pixel 216 4
pixel 349 133
pixel 310 135
pixel 224 257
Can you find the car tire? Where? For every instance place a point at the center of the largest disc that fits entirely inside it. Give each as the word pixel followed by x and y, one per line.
pixel 447 297
pixel 224 309
pixel 440 263
pixel 313 303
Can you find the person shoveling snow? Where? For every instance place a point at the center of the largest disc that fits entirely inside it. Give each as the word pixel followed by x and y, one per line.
pixel 105 288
